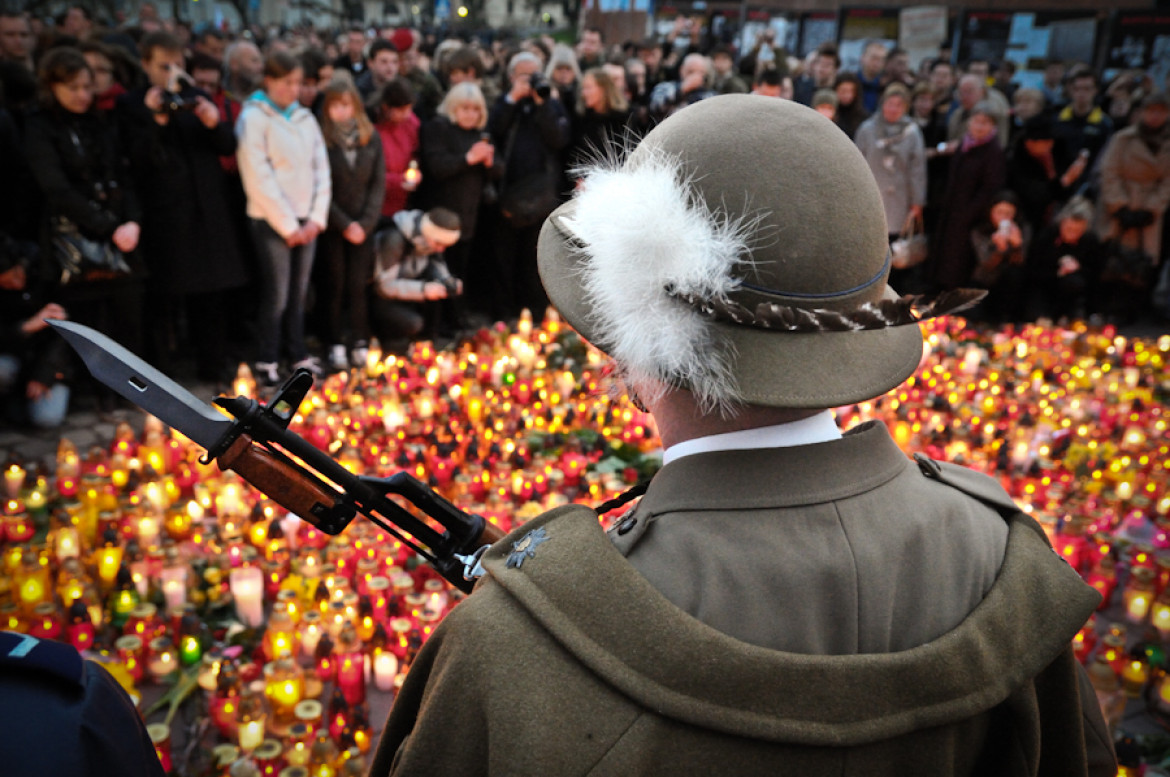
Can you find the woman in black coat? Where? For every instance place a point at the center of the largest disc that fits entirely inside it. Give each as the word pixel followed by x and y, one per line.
pixel 977 173
pixel 73 153
pixel 459 161
pixel 346 248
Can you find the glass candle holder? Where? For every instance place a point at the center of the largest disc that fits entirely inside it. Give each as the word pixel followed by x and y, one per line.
pixel 46 622
pixel 351 667
pixel 1139 595
pixel 190 642
pixel 284 686
pixel 310 631
pixel 1134 676
pixel 160 737
pixel 385 670
pixel 32 582
pixel 323 755
pixel 309 712
pixel 130 652
pixel 247 587
pixel 164 659
pixel 173 582
pixel 280 635
pixel 251 721
pixel 80 628
pixel 143 622
pixel 299 742
pixel 269 758
pixel 208 672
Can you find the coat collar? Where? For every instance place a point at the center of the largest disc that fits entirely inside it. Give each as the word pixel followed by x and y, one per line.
pixel 729 480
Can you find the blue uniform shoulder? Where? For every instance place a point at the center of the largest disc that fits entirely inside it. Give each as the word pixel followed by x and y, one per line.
pixel 27 653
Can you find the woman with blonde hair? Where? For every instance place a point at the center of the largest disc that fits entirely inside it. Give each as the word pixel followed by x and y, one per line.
pixel 601 117
pixel 459 161
pixel 347 245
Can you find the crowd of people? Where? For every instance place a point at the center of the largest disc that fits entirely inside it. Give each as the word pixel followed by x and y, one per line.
pixel 283 197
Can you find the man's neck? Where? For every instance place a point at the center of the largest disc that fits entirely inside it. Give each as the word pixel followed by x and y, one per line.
pixel 679 418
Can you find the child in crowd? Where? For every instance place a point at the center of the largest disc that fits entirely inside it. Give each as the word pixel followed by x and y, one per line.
pixel 347 246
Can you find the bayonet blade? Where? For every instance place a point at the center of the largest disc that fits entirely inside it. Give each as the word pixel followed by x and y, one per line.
pixel 145 386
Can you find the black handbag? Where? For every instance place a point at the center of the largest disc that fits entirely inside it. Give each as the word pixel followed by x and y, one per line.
pixel 529 200
pixel 1128 266
pixel 78 258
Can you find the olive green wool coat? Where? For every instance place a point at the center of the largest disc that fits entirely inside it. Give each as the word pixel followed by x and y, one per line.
pixel 568 661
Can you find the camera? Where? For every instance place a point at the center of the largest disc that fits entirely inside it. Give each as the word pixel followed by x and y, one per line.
pixel 453 286
pixel 180 94
pixel 540 86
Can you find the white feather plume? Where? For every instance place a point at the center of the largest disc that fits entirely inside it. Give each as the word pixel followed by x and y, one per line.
pixel 641 230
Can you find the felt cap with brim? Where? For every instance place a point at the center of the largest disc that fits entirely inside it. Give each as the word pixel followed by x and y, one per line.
pixel 740 201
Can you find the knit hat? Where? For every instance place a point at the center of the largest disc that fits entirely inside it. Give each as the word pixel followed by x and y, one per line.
pixel 741 252
pixel 403 39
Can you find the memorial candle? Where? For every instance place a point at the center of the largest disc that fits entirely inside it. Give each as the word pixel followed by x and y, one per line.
pixel 32 582
pixel 385 670
pixel 160 737
pixel 163 659
pixel 247 587
pixel 351 664
pixel 251 721
pixel 284 687
pixel 13 480
pixel 129 649
pixel 80 629
pixel 1139 595
pixel 310 632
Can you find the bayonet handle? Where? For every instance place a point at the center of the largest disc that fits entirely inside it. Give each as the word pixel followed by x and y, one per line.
pixel 490 534
pixel 296 491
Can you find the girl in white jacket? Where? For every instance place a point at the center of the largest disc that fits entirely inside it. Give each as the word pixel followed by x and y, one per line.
pixel 285 171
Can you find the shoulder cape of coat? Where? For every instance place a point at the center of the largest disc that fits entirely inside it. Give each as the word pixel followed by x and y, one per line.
pixel 567 661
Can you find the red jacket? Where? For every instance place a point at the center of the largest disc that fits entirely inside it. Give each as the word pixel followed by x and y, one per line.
pixel 399 146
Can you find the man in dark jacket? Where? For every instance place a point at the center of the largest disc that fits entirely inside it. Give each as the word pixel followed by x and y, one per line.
pixel 65 715
pixel 785 599
pixel 531 129
pixel 174 135
pixel 410 275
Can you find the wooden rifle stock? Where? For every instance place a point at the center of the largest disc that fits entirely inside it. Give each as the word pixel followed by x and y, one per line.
pixel 282 482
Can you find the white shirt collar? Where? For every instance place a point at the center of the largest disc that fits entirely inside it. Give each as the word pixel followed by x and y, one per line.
pixel 821 427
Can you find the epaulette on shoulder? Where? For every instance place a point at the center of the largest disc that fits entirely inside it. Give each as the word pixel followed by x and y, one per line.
pixel 27 653
pixel 970 482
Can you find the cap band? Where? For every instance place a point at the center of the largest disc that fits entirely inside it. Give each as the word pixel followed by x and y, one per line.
pixel 882 314
pixel 879 277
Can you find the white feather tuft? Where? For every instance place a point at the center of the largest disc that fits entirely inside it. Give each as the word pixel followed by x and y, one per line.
pixel 642 230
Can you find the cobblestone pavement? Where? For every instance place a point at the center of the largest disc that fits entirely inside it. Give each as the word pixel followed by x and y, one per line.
pixel 85 427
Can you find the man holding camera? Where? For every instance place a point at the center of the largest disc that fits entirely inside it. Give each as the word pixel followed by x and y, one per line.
pixel 174 137
pixel 530 126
